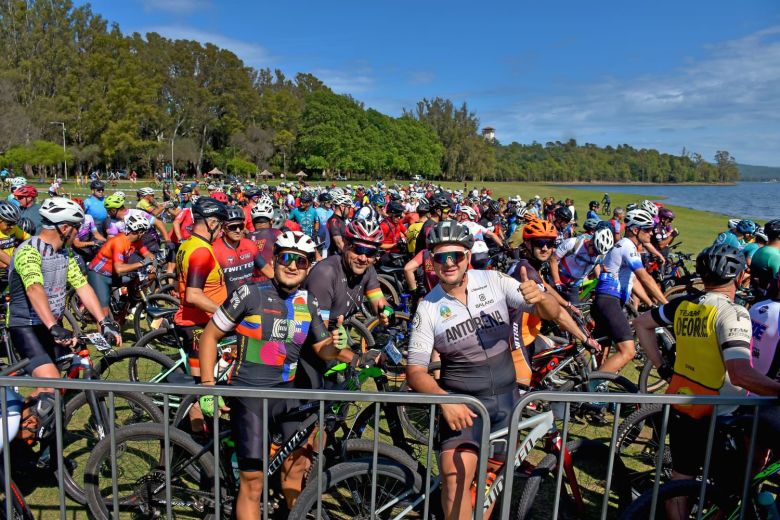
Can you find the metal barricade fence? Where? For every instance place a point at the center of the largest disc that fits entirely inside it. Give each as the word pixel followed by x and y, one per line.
pixel 166 391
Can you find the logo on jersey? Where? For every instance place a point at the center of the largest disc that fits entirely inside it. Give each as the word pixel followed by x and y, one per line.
pixel 465 328
pixel 416 321
pixel 445 312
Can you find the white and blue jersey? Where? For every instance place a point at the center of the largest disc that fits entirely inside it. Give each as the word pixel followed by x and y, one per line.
pixel 617 275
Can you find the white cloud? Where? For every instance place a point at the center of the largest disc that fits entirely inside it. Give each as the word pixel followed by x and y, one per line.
pixel 175 6
pixel 345 81
pixel 253 54
pixel 726 100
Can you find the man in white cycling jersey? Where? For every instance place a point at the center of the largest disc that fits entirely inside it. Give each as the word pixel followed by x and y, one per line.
pixel 479 251
pixel 576 258
pixel 465 319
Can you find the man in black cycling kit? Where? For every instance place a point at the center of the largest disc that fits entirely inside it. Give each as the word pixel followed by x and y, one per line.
pixel 465 318
pixel 275 321
pixel 41 270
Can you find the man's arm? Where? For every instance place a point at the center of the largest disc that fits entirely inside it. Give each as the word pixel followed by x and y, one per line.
pixel 645 326
pixel 409 272
pixel 743 375
pixel 649 284
pixel 207 351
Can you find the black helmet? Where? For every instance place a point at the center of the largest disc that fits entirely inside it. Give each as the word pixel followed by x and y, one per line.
pixel 26 225
pixel 563 213
pixel 394 195
pixel 594 204
pixel 97 185
pixel 720 264
pixel 423 207
pixel 186 189
pixel 772 229
pixel 325 197
pixel 306 196
pixel 395 208
pixel 235 214
pixel 440 201
pixel 449 232
pixel 207 207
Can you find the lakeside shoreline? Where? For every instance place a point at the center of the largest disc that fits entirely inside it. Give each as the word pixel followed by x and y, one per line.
pixel 589 183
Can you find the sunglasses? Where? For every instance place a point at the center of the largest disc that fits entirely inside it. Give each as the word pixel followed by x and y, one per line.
pixel 368 252
pixel 235 227
pixel 287 259
pixel 455 256
pixel 543 243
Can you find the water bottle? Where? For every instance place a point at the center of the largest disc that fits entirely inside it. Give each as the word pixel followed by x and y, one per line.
pixel 767 509
pixel 234 465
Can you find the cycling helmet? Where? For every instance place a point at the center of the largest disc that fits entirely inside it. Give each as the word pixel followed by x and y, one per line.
pixel 649 206
pixel 186 189
pixel 631 207
pixel 591 224
pixel 492 207
pixel 78 201
pixel 97 185
pixel 364 231
pixel 539 228
pixel 114 201
pixel 61 210
pixel 720 264
pixel 194 199
pixel 746 227
pixel 143 192
pixel 733 223
pixel 760 235
pixel 469 212
pixel 395 208
pixel 136 223
pixel 306 196
pixel 342 200
pixel 325 197
pixel 449 232
pixel 666 213
pixel 378 200
pixel 593 204
pixel 772 230
pixel 295 241
pixel 394 195
pixel 280 217
pixel 219 196
pixel 208 207
pixel 440 201
pixel 564 214
pixel 263 209
pixel 120 194
pixel 26 191
pixel 235 214
pixel 603 240
pixel 638 218
pixel 18 182
pixel 26 225
pixel 423 207
pixel 9 212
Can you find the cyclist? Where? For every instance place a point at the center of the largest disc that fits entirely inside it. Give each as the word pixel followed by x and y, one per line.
pixel 324 212
pixel 491 220
pixel 306 216
pixel 10 236
pixel 562 218
pixel 593 210
pixel 93 205
pixel 765 263
pixel 264 236
pixel 479 251
pixel 147 203
pixel 474 353
pixel 576 258
pixel 337 223
pixel 439 208
pixel 739 236
pixel 606 201
pixel 235 253
pixel 41 269
pixel 121 254
pixel 414 229
pixel 759 241
pixel 713 357
pixel 616 223
pixel 115 223
pixel 393 231
pixel 621 268
pixel 664 233
pixel 26 196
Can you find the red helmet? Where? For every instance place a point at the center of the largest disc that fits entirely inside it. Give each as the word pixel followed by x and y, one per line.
pixel 78 201
pixel 364 231
pixel 26 191
pixel 220 196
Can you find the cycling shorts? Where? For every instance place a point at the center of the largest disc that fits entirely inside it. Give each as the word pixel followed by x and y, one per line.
pixel 189 336
pixel 611 322
pixel 246 425
pixel 101 284
pixel 499 409
pixel 36 344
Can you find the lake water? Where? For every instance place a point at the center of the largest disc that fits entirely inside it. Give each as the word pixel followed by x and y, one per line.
pixel 758 200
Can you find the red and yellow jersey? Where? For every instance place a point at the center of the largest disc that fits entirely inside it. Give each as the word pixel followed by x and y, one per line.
pixel 116 250
pixel 198 267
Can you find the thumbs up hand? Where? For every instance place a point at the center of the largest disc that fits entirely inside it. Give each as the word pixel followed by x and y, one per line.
pixel 529 288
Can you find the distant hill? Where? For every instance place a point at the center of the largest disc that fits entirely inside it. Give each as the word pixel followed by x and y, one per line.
pixel 749 172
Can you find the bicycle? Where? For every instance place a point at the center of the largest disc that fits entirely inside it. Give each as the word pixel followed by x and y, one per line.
pixel 11 418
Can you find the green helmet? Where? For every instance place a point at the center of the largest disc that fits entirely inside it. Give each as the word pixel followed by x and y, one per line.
pixel 114 201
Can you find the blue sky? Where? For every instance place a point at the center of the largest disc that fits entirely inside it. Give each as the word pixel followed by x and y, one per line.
pixel 657 74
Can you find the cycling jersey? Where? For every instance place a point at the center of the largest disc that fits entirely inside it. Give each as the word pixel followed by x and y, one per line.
pixel 731 239
pixel 88 227
pixel 710 330
pixel 145 205
pixel 116 250
pixel 272 329
pixel 750 249
pixel 764 265
pixel 8 242
pixel 617 275
pixel 34 214
pixel 411 236
pixel 473 339
pixel 422 237
pixel 430 279
pixel 478 231
pixel 392 234
pixel 564 234
pixel 574 261
pixel 765 318
pixel 36 262
pixel 114 226
pixel 339 293
pixel 592 214
pixel 264 240
pixel 238 263
pixel 198 267
pixel 617 226
pixel 306 219
pixel 336 228
pixel 184 218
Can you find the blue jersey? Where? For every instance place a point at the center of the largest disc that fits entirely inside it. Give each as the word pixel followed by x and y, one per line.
pixel 94 206
pixel 617 274
pixel 305 218
pixel 731 239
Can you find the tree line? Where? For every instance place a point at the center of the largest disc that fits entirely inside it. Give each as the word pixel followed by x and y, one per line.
pixel 145 101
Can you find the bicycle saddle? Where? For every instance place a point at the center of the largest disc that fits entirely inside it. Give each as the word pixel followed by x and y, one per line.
pixel 159 312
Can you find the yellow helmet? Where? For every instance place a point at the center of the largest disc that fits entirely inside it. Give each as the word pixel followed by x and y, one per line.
pixel 114 201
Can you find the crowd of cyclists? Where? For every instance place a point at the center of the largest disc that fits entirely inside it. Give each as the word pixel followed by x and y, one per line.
pixel 283 267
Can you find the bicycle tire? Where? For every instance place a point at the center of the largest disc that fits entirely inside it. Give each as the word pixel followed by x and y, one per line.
pixel 355 502
pixel 387 285
pixel 649 380
pixel 19 508
pixel 163 340
pixel 641 507
pixel 140 404
pixel 181 445
pixel 359 338
pixel 140 312
pixel 587 458
pixel 639 454
pixel 135 371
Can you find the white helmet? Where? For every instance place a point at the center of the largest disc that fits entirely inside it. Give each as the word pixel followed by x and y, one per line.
pixel 342 200
pixel 136 223
pixel 639 218
pixel 18 182
pixel 520 211
pixel 603 240
pixel 649 206
pixel 61 210
pixel 143 192
pixel 296 241
pixel 263 209
pixel 733 223
pixel 469 212
pixel 121 194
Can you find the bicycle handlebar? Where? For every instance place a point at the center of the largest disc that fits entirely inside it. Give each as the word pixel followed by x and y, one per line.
pixel 16 367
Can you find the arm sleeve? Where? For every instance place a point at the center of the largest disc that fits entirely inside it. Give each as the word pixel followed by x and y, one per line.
pixel 565 248
pixel 317 330
pixel 76 278
pixel 735 332
pixel 421 341
pixel 664 314
pixel 27 262
pixel 229 314
pixel 201 263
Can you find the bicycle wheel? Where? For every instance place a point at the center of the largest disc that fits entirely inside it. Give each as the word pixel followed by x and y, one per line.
pixel 19 508
pixel 142 324
pixel 137 364
pixel 680 489
pixel 162 340
pixel 81 432
pixel 398 332
pixel 638 444
pixel 140 471
pixel 387 284
pixel 346 492
pixel 589 465
pixel 649 380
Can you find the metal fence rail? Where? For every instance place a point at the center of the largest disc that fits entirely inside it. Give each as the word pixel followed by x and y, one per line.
pixel 321 397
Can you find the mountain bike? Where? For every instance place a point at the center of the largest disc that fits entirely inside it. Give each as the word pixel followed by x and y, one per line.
pixel 11 419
